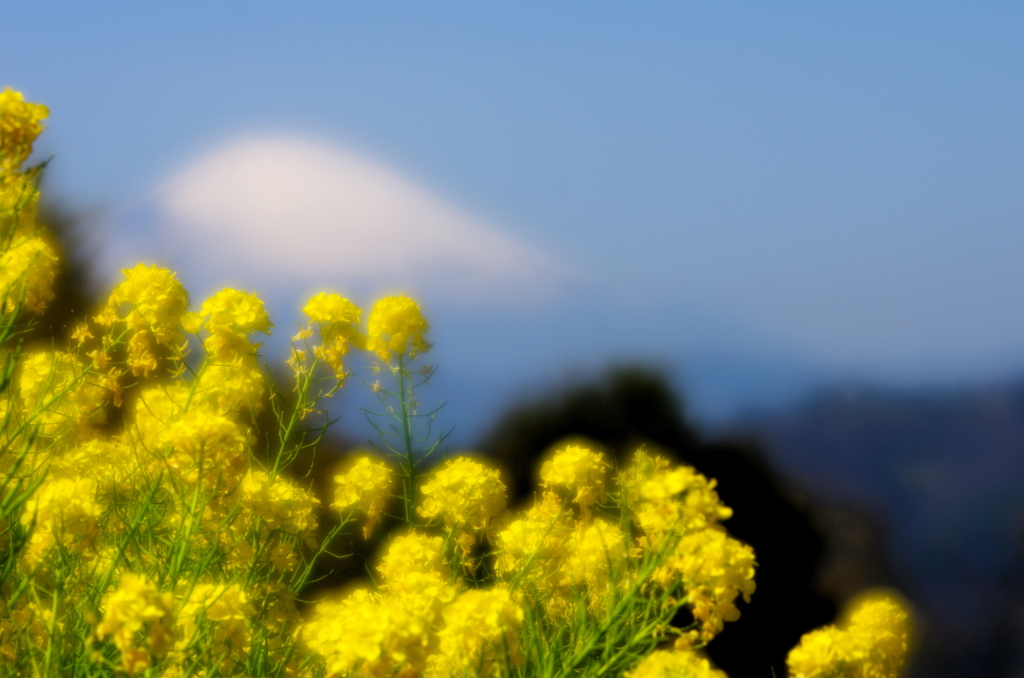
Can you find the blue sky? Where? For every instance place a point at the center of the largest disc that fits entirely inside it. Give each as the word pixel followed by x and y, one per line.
pixel 755 195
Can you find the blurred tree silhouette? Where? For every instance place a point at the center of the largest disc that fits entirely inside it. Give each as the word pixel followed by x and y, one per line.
pixel 76 292
pixel 634 405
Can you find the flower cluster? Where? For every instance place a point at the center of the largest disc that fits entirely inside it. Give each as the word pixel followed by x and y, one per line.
pixel 578 470
pixel 365 486
pixel 467 496
pixel 28 264
pixel 140 620
pixel 339 329
pixel 20 124
pixel 396 327
pixel 678 664
pixel 871 642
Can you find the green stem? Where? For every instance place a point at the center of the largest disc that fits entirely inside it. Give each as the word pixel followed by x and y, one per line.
pixel 410 460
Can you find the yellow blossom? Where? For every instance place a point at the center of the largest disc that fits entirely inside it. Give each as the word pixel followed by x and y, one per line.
pixel 396 326
pixel 465 494
pixel 20 124
pixel 235 311
pixel 714 569
pixel 533 549
pixel 207 448
pixel 19 203
pixel 286 517
pixel 27 270
pixel 61 511
pixel 141 621
pixel 226 610
pixel 338 319
pixel 155 299
pixel 677 499
pixel 60 396
pixel 579 470
pixel 481 631
pixel 151 303
pixel 366 486
pixel 370 635
pixel 675 664
pixel 596 556
pixel 232 389
pixel 413 561
pixel 871 642
pixel 112 464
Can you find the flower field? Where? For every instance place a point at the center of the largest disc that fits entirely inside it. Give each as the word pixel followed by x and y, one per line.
pixel 153 524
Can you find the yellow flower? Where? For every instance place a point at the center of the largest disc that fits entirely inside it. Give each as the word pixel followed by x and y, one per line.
pixel 596 553
pixel 19 201
pixel 19 127
pixel 481 630
pixel 61 511
pixel 207 448
pixel 339 328
pixel 332 309
pixel 396 326
pixel 714 570
pixel 156 409
pixel 533 549
pixel 287 516
pixel 60 396
pixel 110 463
pixel 365 486
pixel 871 642
pixel 370 635
pixel 667 500
pixel 227 610
pixel 141 621
pixel 236 311
pixel 466 494
pixel 151 302
pixel 414 561
pixel 230 316
pixel 579 470
pixel 675 664
pixel 347 632
pixel 234 388
pixel 27 271
pixel 155 299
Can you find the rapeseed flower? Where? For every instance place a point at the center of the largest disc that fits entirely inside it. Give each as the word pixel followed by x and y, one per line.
pixel 714 570
pixel 61 511
pixel 396 327
pixel 596 557
pixel 366 486
pixel 20 124
pixel 140 619
pixel 467 495
pixel 59 397
pixel 207 448
pixel 338 319
pixel 369 635
pixel 675 664
pixel 151 303
pixel 27 271
pixel 480 636
pixel 19 202
pixel 415 562
pixel 579 470
pixel 678 499
pixel 286 517
pixel 223 610
pixel 872 642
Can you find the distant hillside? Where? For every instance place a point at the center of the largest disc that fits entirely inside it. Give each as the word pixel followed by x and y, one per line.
pixel 943 472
